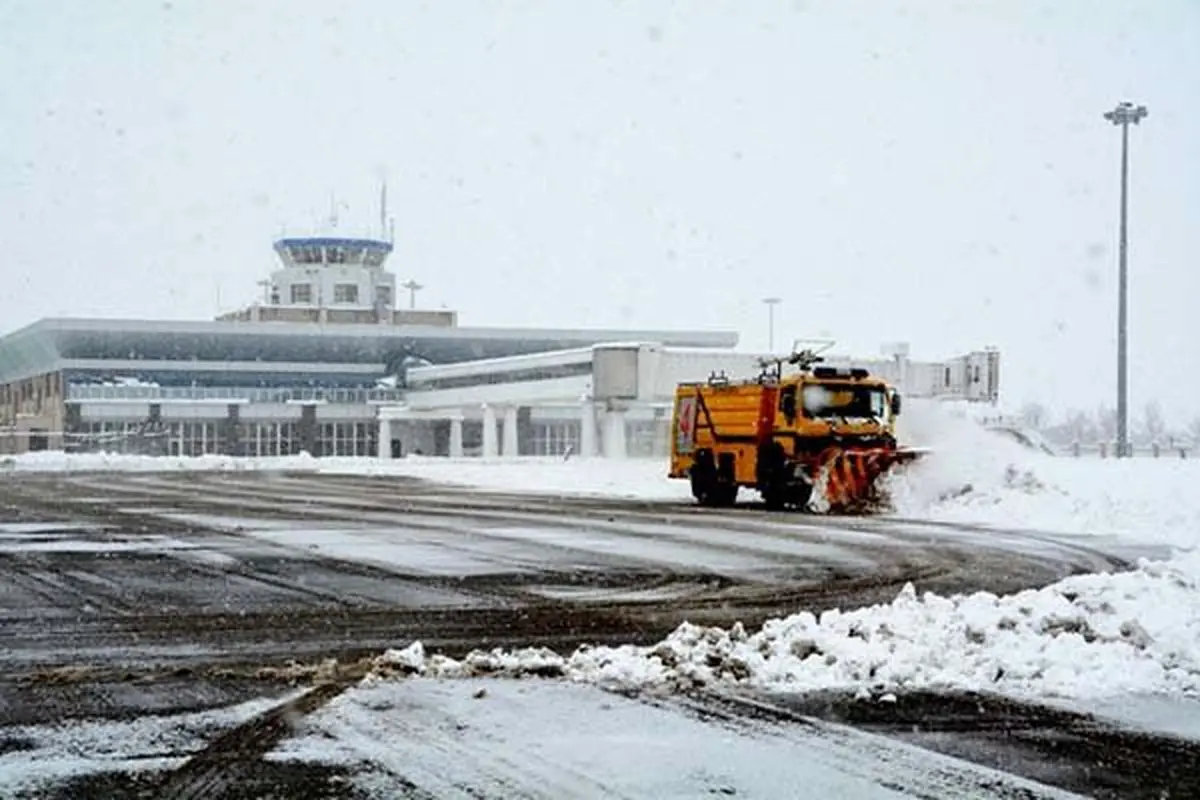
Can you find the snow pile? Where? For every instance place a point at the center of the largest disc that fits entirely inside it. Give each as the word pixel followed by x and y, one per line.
pixel 1086 637
pixel 975 476
pixel 635 478
pixel 58 461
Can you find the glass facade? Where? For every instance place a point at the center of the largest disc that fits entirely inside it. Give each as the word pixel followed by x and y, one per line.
pixel 347 438
pixel 555 438
pixel 217 437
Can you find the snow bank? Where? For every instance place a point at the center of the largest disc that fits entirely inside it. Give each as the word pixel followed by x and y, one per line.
pixel 1088 637
pixel 636 478
pixel 58 461
pixel 978 477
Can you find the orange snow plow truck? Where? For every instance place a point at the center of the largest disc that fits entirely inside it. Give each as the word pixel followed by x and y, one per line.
pixel 819 437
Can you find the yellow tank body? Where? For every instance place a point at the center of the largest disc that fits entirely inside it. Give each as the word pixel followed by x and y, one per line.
pixel 734 410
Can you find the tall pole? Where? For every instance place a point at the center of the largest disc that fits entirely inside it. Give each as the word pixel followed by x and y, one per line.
pixel 1122 115
pixel 771 303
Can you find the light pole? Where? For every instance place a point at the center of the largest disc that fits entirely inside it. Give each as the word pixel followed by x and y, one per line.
pixel 771 303
pixel 1122 115
pixel 413 287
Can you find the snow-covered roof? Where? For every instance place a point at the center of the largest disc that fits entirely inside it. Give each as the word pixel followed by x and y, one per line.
pixel 44 345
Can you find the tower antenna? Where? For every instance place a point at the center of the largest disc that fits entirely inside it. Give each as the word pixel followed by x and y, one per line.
pixel 383 229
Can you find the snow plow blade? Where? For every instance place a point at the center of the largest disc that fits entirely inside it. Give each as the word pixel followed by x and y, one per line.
pixel 849 480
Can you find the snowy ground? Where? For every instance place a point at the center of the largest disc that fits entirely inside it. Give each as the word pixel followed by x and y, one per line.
pixel 972 477
pixel 1086 638
pixel 627 748
pixel 38 754
pixel 493 738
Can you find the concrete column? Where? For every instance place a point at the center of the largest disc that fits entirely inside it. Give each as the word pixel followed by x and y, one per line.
pixel 587 430
pixel 384 445
pixel 154 445
pixel 72 423
pixel 614 434
pixel 489 432
pixel 456 438
pixel 231 431
pixel 307 429
pixel 525 430
pixel 510 432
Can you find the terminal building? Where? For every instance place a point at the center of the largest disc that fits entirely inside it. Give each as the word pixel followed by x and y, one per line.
pixel 614 398
pixel 307 369
pixel 328 364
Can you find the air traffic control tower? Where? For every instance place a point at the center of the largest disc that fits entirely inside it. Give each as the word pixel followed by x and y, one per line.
pixel 333 280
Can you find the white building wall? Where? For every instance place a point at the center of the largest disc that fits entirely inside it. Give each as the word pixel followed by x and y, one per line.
pixel 271 412
pixel 671 367
pixel 100 412
pixel 553 390
pixel 325 278
pixel 192 411
pixel 336 412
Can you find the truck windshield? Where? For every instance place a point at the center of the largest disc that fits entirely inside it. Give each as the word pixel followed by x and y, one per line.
pixel 842 400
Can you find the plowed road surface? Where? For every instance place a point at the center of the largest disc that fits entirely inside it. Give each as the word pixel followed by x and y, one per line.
pixel 163 613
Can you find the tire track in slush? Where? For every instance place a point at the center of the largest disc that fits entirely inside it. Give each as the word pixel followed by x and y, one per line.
pixel 226 761
pixel 730 597
pixel 1066 557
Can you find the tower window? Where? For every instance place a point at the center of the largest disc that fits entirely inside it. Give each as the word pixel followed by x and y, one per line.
pixel 345 293
pixel 301 293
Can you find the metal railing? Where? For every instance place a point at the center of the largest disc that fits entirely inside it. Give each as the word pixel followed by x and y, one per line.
pixel 1109 450
pixel 252 393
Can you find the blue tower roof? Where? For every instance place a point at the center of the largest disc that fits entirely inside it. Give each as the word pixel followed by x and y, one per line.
pixel 325 241
pixel 306 250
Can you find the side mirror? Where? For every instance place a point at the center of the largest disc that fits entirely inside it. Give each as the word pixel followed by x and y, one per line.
pixel 787 404
pixel 895 404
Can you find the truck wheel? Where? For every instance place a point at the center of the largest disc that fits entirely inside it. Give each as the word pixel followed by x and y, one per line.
pixel 713 486
pixel 801 494
pixel 714 493
pixel 775 498
pixel 703 476
pixel 726 494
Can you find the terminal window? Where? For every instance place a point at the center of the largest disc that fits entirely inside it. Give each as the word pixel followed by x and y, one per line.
pixel 301 293
pixel 345 293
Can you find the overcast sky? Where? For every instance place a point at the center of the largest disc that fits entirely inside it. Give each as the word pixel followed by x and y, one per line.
pixel 927 171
